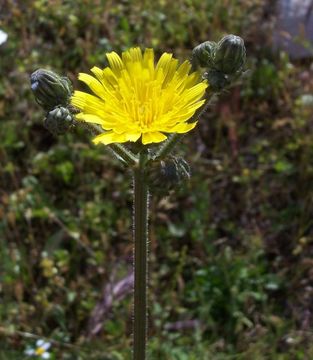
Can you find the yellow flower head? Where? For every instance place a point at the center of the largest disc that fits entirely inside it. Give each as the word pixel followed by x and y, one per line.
pixel 134 98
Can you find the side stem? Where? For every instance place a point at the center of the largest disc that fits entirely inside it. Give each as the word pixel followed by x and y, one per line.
pixel 118 150
pixel 140 260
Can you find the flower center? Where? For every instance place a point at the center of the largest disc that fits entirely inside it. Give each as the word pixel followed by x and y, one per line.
pixel 40 351
pixel 141 111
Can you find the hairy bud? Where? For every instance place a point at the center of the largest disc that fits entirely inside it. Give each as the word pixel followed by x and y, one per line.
pixel 230 54
pixel 50 89
pixel 216 79
pixel 59 120
pixel 166 175
pixel 203 54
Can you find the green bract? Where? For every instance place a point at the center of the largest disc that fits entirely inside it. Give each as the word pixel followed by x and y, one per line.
pixel 168 174
pixel 217 79
pixel 58 120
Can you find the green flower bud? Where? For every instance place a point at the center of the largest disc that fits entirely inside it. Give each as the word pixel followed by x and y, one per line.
pixel 203 54
pixel 217 80
pixel 59 120
pixel 50 89
pixel 166 175
pixel 230 54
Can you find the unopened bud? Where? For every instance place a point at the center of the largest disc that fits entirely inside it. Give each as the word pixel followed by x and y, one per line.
pixel 230 54
pixel 50 89
pixel 203 54
pixel 59 120
pixel 216 79
pixel 168 174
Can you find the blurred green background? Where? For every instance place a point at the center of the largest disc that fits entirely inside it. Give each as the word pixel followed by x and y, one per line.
pixel 230 253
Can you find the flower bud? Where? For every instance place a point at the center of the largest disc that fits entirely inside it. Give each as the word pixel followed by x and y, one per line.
pixel 166 175
pixel 58 120
pixel 203 54
pixel 217 80
pixel 230 54
pixel 50 89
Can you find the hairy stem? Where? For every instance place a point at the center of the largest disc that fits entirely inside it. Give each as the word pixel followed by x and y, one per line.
pixel 124 153
pixel 140 260
pixel 120 151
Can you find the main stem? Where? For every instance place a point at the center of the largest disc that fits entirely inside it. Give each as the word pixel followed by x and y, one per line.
pixel 140 260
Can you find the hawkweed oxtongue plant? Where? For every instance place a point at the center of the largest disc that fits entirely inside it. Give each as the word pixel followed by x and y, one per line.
pixel 140 109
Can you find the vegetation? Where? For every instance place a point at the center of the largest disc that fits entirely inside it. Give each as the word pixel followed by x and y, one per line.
pixel 231 253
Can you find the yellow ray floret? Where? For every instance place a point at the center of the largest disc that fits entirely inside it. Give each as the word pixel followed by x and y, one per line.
pixel 136 99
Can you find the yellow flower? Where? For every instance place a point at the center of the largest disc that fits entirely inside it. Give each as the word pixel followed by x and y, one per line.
pixel 40 351
pixel 134 98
